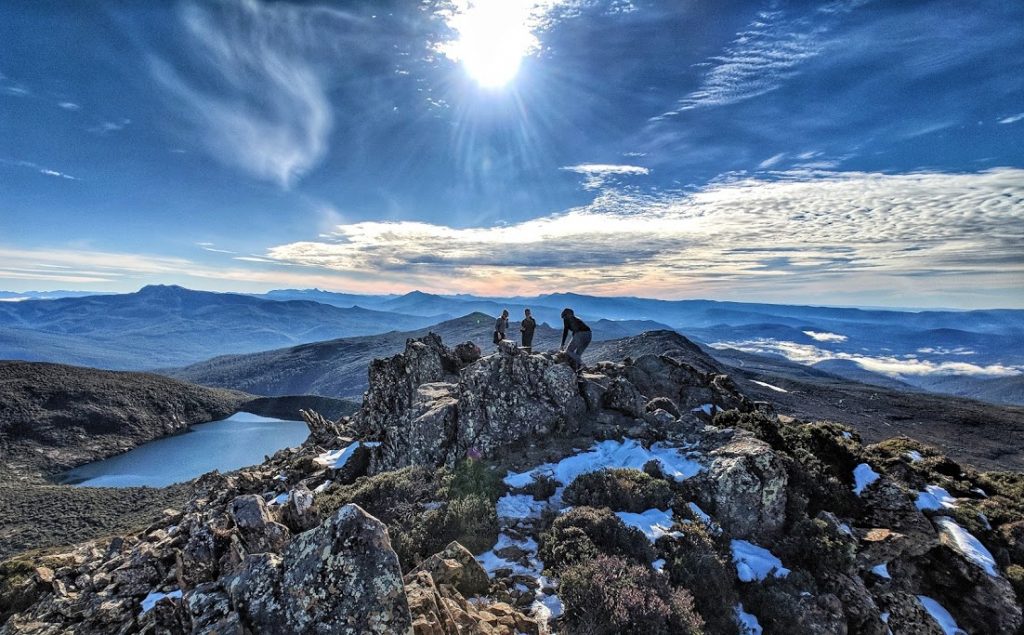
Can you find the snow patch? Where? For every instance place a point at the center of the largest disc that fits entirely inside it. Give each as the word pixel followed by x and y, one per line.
pixel 653 522
pixel 491 561
pixel 322 487
pixel 517 506
pixel 748 622
pixel 336 459
pixel 708 409
pixel 755 563
pixel 281 499
pixel 658 565
pixel 941 616
pixel 968 546
pixel 547 607
pixel 863 476
pixel 914 456
pixel 934 497
pixel 768 386
pixel 150 600
pixel 882 570
pixel 610 454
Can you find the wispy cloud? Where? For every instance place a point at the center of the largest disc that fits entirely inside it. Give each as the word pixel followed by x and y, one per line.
pixel 795 234
pixel 264 108
pixel 598 174
pixel 210 247
pixel 16 91
pixel 762 57
pixel 771 161
pixel 1012 118
pixel 40 169
pixel 888 365
pixel 69 105
pixel 106 127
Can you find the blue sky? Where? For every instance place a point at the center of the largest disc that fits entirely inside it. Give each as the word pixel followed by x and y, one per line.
pixel 857 152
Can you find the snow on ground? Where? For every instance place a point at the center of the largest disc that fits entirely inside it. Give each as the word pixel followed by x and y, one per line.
pixel 336 459
pixel 934 497
pixel 843 527
pixel 658 565
pixel 610 454
pixel 882 570
pixel 768 386
pixel 653 522
pixel 863 476
pixel 755 563
pixel 322 486
pixel 703 515
pixel 547 607
pixel 280 499
pixel 514 506
pixel 968 546
pixel 941 616
pixel 748 622
pixel 491 562
pixel 708 409
pixel 150 600
pixel 914 456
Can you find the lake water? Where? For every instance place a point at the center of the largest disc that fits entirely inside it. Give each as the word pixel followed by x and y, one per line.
pixel 238 441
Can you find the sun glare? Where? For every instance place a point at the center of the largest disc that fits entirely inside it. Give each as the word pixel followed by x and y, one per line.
pixel 494 36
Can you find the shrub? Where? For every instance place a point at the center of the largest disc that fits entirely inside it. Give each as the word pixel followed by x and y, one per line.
pixel 693 561
pixel 818 547
pixel 543 487
pixel 1015 574
pixel 757 422
pixel 780 607
pixel 605 531
pixel 471 478
pixel 417 530
pixel 619 489
pixel 609 595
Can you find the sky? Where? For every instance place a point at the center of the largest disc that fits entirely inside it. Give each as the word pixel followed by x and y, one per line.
pixel 846 152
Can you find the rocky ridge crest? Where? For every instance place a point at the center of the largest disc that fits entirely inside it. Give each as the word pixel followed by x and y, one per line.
pixel 717 510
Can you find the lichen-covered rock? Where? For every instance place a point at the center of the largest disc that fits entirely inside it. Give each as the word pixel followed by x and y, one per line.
pixel 622 396
pixel 259 529
pixel 321 430
pixel 299 512
pixel 467 352
pixel 394 381
pixel 457 567
pixel 744 489
pixel 428 431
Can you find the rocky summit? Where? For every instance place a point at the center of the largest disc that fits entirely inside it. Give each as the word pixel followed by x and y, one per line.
pixel 510 493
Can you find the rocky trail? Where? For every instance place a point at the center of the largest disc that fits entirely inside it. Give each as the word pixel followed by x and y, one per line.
pixel 510 494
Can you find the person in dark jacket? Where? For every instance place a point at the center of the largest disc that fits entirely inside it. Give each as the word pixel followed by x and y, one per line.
pixel 527 327
pixel 580 336
pixel 501 327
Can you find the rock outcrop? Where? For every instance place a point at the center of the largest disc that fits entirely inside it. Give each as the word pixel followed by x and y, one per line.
pixel 792 524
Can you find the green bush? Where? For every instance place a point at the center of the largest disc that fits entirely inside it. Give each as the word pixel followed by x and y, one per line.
pixel 694 561
pixel 471 478
pixel 779 605
pixel 612 596
pixel 1015 574
pixel 543 487
pixel 818 547
pixel 406 501
pixel 605 531
pixel 619 489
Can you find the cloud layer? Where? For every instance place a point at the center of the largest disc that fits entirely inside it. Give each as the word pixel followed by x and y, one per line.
pixel 798 232
pixel 890 366
pixel 262 105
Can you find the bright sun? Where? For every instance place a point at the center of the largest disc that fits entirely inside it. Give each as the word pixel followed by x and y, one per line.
pixel 494 36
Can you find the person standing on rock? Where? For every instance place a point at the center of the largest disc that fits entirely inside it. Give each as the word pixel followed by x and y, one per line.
pixel 580 337
pixel 501 327
pixel 527 327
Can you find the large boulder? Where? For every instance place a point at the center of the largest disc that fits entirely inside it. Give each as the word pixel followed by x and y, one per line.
pixel 342 577
pixel 257 525
pixel 394 381
pixel 457 567
pixel 744 489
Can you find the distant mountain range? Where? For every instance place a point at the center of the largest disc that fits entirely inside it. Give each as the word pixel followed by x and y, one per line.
pixel 977 354
pixel 171 326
